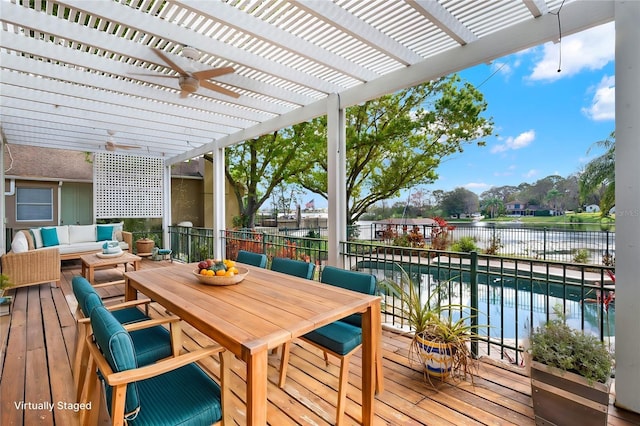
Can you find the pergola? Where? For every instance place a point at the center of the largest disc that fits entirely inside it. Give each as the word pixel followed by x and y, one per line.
pixel 70 79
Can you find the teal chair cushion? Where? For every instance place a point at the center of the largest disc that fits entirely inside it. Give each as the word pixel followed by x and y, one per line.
pixel 185 396
pixel 151 344
pixel 351 280
pixel 338 337
pixel 117 347
pixel 253 259
pixel 88 299
pixel 296 268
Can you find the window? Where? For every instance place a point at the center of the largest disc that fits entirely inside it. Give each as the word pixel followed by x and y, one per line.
pixel 34 204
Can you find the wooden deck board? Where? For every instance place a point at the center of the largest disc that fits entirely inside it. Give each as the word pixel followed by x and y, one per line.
pixel 37 344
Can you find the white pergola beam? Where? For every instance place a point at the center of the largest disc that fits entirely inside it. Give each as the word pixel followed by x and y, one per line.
pixel 347 22
pixel 444 20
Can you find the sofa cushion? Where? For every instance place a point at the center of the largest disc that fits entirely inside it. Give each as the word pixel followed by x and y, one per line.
pixel 86 247
pixel 37 237
pixel 19 243
pixel 82 233
pixel 49 237
pixel 105 233
pixel 63 234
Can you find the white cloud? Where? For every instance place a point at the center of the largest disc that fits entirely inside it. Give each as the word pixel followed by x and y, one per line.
pixel 476 185
pixel 531 173
pixel 511 143
pixel 591 49
pixel 604 101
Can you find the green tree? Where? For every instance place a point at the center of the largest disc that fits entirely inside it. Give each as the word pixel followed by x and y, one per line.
pixel 493 206
pixel 460 201
pixel 397 141
pixel 255 168
pixel 600 173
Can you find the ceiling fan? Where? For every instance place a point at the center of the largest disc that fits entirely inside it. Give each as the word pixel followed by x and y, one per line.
pixel 110 145
pixel 190 81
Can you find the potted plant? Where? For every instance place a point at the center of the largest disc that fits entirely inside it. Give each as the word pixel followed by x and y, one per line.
pixel 5 301
pixel 439 342
pixel 570 375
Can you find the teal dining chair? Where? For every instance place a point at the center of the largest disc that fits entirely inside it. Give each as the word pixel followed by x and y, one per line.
pixel 293 267
pixel 253 259
pixel 174 391
pixel 341 338
pixel 152 340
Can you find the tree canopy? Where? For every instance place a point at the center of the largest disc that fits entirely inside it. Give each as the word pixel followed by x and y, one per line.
pixel 393 143
pixel 599 175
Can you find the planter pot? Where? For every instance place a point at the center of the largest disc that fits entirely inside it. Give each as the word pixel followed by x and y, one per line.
pixel 566 398
pixel 5 305
pixel 145 245
pixel 436 357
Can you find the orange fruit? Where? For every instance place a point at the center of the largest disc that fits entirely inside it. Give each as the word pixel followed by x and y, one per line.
pixel 229 273
pixel 203 272
pixel 221 272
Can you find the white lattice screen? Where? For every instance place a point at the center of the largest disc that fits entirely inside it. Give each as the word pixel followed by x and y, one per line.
pixel 127 186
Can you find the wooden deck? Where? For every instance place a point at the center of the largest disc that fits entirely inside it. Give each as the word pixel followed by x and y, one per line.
pixel 37 345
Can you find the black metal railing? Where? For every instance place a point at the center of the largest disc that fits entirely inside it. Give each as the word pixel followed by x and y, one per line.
pixel 510 296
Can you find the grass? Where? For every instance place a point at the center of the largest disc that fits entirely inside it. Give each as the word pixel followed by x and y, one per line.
pixel 570 218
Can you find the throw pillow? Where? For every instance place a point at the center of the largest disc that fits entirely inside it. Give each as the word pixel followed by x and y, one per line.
pixel 37 237
pixel 19 243
pixel 49 237
pixel 29 236
pixel 105 233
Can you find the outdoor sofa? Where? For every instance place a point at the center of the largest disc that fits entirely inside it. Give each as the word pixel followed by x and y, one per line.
pixel 36 253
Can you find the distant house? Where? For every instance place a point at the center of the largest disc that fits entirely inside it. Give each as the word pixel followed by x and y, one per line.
pixel 516 208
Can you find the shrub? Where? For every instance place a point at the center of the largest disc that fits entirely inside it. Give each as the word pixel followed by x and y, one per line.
pixel 440 234
pixel 495 244
pixel 559 346
pixel 581 256
pixel 465 245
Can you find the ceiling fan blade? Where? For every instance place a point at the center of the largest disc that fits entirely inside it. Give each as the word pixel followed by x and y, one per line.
pixel 154 75
pixel 214 72
pixel 212 86
pixel 172 64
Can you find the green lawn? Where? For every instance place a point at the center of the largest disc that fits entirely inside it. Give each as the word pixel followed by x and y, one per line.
pixel 568 219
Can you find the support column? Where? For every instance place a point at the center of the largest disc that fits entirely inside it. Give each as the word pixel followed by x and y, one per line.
pixel 218 202
pixel 166 206
pixel 627 16
pixel 336 179
pixel 3 215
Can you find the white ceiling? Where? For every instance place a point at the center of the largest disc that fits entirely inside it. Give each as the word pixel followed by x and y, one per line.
pixel 67 68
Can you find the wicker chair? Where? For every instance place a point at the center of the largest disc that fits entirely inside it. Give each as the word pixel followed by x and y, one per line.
pixel 32 267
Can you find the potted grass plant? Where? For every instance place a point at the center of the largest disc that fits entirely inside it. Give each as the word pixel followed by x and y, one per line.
pixel 439 342
pixel 570 375
pixel 5 301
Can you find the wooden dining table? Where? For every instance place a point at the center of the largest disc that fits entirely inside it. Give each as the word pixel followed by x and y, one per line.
pixel 259 314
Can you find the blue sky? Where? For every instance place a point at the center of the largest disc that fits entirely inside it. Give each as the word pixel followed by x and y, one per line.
pixel 545 120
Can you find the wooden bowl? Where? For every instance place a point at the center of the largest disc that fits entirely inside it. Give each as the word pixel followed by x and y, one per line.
pixel 217 280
